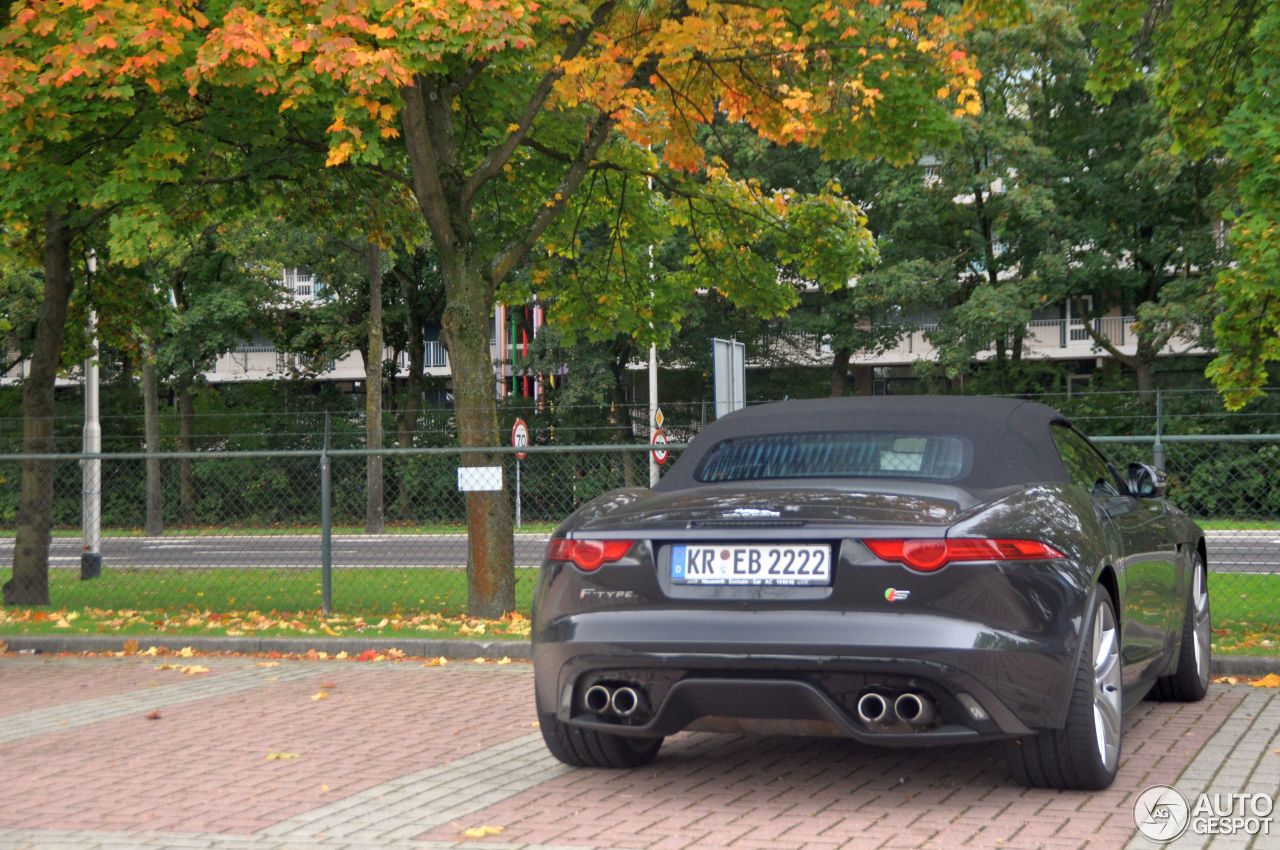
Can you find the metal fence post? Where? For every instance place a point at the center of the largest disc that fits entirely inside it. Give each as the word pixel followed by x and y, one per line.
pixel 1157 448
pixel 326 525
pixel 518 523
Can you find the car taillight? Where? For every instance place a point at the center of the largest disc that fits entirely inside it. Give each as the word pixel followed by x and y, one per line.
pixel 929 555
pixel 587 554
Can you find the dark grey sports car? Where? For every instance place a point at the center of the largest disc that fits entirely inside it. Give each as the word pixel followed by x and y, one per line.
pixel 903 571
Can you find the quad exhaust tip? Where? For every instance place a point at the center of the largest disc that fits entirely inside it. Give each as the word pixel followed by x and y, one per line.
pixel 911 708
pixel 621 701
pixel 914 709
pixel 597 699
pixel 625 701
pixel 872 708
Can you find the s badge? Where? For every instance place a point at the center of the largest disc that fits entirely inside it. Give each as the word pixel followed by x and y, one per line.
pixel 894 595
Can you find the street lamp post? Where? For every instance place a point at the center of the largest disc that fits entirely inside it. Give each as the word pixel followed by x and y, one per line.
pixel 653 409
pixel 91 501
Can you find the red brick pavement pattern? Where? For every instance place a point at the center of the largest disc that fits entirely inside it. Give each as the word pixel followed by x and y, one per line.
pixel 202 766
pixel 33 684
pixel 769 793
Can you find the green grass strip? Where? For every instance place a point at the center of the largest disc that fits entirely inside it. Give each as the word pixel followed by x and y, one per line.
pixel 1246 606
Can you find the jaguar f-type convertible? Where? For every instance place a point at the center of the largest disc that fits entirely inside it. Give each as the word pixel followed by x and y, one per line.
pixel 901 571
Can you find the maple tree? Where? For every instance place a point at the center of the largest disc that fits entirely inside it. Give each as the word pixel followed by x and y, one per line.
pixel 104 148
pixel 87 138
pixel 511 112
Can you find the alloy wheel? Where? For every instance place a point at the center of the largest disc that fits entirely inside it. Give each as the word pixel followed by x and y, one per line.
pixel 1106 692
pixel 1200 597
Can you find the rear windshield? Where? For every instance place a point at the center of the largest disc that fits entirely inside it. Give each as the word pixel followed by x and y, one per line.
pixel 936 457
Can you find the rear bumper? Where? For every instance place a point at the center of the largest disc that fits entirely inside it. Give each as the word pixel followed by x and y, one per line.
pixel 735 664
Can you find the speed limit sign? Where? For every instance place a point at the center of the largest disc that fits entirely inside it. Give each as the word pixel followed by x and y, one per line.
pixel 520 438
pixel 659 442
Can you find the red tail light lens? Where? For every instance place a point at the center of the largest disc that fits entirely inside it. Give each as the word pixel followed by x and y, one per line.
pixel 587 554
pixel 929 555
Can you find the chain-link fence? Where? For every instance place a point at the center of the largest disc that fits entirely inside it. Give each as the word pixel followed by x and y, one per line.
pixel 1225 482
pixel 239 531
pixel 221 429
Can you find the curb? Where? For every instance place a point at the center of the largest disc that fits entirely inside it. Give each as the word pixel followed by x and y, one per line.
pixel 415 647
pixel 1222 665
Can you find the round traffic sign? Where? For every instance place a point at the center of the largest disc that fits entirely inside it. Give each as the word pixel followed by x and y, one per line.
pixel 520 438
pixel 659 441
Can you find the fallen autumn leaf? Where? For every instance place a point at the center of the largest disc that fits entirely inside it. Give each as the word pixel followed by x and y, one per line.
pixel 1271 680
pixel 281 756
pixel 483 831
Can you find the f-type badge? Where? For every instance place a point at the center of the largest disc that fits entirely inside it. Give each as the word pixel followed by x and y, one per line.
pixel 607 595
pixel 894 595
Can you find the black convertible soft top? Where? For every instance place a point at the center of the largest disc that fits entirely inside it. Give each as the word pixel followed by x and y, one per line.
pixel 1011 438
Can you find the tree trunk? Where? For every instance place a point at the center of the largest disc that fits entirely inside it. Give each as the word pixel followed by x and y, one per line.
pixel 840 372
pixel 186 443
pixel 1143 366
pixel 411 411
pixel 619 412
pixel 864 380
pixel 153 525
pixel 30 582
pixel 1002 363
pixel 125 379
pixel 490 546
pixel 373 518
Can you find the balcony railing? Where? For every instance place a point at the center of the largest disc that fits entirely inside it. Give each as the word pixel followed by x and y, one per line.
pixel 1067 333
pixel 1051 338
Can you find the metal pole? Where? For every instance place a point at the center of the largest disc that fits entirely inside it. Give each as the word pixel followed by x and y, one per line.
pixel 1157 450
pixel 653 373
pixel 517 492
pixel 91 472
pixel 653 409
pixel 326 526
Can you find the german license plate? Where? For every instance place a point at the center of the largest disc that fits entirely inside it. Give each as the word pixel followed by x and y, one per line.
pixel 754 564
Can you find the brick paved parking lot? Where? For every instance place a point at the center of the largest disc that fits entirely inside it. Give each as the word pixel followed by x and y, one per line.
pixel 249 756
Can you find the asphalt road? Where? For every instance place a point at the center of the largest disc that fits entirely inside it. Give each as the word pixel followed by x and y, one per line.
pixel 1229 551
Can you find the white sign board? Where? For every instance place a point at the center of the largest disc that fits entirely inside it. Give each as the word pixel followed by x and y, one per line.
pixel 729 364
pixel 472 478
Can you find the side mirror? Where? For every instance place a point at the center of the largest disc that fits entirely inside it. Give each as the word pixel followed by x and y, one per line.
pixel 1146 482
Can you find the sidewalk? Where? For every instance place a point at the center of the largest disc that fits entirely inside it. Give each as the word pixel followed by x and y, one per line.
pixel 249 756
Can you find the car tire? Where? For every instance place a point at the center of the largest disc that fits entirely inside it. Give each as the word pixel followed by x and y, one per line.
pixel 1085 754
pixel 1189 681
pixel 588 748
